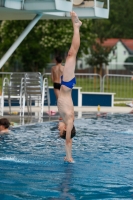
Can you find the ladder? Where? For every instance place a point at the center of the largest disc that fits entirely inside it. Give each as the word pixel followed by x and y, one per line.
pixel 36 92
pixel 13 88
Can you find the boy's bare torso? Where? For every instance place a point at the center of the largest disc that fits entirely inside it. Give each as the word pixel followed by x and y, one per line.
pixel 57 72
pixel 65 104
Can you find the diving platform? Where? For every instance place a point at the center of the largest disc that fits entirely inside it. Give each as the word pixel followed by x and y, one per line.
pixel 35 10
pixel 52 9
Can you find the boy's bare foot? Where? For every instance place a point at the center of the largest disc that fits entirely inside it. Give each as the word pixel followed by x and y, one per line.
pixel 69 160
pixel 75 19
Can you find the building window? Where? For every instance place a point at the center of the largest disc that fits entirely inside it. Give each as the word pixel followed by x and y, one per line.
pixel 113 52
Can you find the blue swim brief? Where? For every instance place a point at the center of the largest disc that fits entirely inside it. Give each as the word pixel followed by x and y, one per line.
pixel 70 84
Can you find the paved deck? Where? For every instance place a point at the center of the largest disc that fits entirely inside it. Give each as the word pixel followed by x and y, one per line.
pixel 79 112
pixel 114 109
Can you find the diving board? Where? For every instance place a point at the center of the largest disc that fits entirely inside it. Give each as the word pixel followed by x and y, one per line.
pixel 57 9
pixel 36 10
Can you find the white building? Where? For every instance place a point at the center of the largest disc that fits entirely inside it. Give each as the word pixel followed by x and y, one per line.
pixel 121 49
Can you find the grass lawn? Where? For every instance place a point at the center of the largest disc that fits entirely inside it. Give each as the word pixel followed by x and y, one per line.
pixel 120 104
pixel 123 87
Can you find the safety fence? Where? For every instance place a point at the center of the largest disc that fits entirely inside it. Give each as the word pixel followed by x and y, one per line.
pixel 87 81
pixel 121 85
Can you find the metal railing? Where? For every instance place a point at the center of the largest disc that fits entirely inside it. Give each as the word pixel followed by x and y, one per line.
pixel 88 82
pixel 121 85
pixel 26 87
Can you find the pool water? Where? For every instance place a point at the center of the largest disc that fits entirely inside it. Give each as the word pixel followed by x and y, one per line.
pixel 32 166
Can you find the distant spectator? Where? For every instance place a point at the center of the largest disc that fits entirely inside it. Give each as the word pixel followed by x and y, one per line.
pixel 56 73
pixel 4 125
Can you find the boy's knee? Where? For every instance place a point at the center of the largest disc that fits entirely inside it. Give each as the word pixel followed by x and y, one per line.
pixel 71 53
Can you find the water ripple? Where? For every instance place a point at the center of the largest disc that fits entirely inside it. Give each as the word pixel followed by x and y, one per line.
pixel 32 166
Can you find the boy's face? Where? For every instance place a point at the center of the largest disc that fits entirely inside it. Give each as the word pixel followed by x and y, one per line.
pixel 61 127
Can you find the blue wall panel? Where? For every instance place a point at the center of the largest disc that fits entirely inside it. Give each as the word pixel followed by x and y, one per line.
pixel 75 97
pixel 15 102
pixel 96 99
pixel 87 99
pixel 53 101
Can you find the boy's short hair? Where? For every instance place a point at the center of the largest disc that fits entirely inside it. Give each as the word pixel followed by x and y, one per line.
pixel 5 122
pixel 73 133
pixel 58 59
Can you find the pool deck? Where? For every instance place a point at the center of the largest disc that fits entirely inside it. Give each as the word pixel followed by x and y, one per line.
pixel 80 112
pixel 115 109
pixel 102 109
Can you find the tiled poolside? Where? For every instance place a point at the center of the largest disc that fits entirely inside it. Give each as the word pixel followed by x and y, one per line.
pixel 34 117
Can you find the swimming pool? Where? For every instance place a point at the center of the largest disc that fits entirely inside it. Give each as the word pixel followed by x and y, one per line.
pixel 32 166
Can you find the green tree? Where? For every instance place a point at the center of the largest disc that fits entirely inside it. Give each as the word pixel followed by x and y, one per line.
pixel 48 37
pixel 128 64
pixel 119 24
pixel 98 56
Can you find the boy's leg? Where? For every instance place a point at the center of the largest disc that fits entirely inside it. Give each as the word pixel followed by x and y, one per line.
pixel 68 72
pixel 56 91
pixel 71 159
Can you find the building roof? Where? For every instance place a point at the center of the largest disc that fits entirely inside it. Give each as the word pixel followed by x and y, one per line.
pixel 128 43
pixel 111 42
